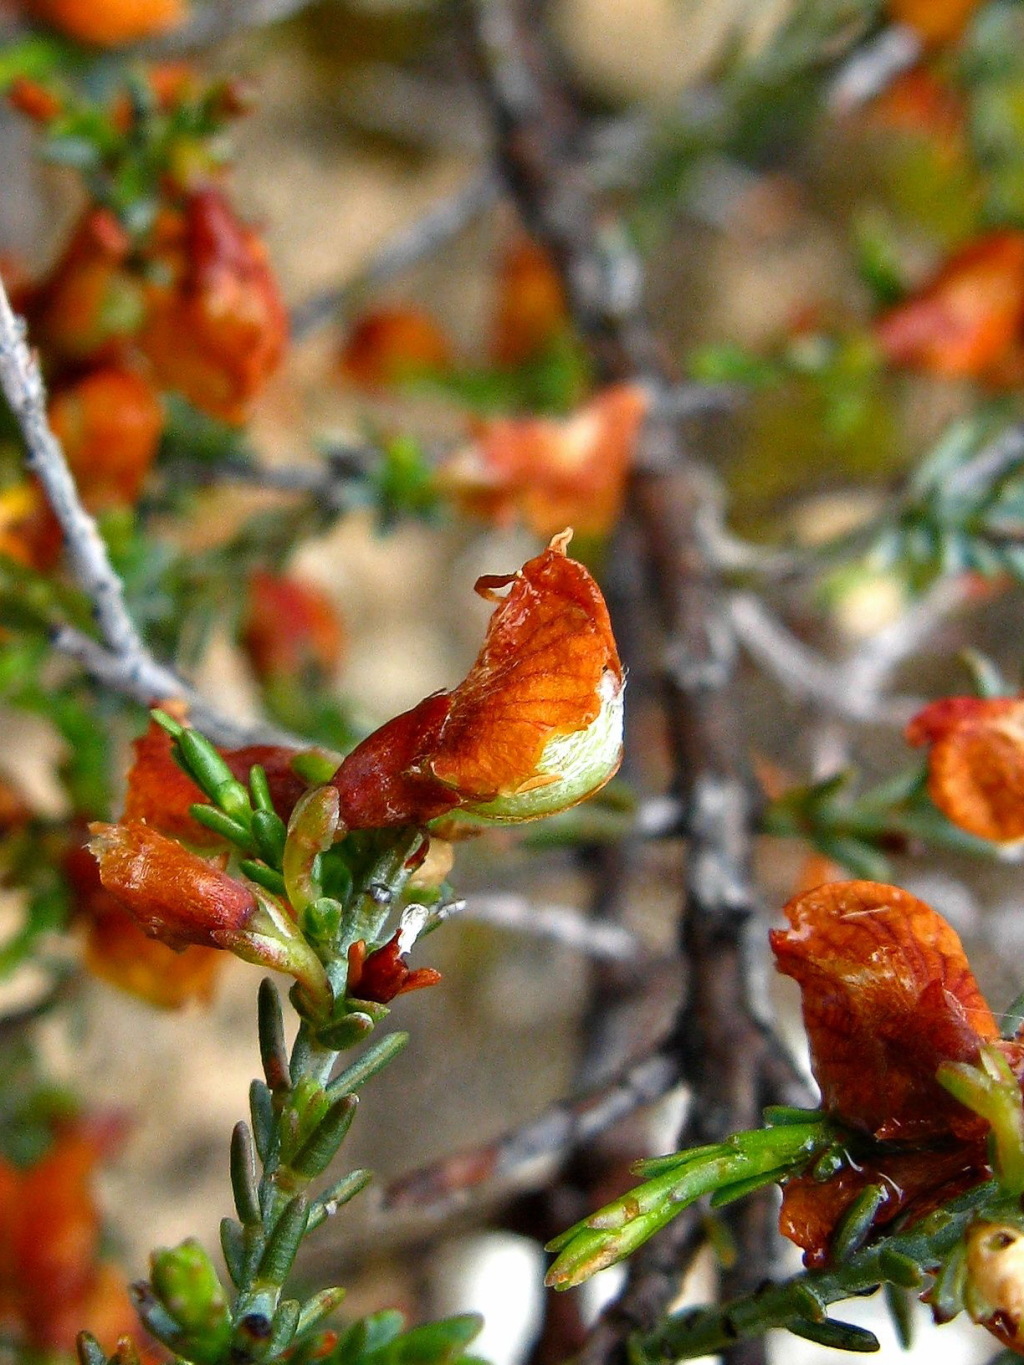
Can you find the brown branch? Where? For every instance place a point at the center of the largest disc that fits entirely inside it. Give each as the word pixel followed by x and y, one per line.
pixel 728 1056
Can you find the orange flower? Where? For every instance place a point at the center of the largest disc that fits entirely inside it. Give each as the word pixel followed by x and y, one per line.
pixel 967 320
pixel 976 762
pixel 216 327
pixel 33 99
pixel 119 952
pixel 531 311
pixel 109 423
pixel 382 975
pixel 888 996
pixel 160 793
pixel 89 304
pixel 535 726
pixel 392 346
pixel 291 629
pixel 52 1282
pixel 551 471
pixel 176 896
pixel 935 21
pixel 107 23
pixel 30 534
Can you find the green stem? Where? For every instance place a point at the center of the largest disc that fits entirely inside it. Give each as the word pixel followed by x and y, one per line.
pixel 803 1299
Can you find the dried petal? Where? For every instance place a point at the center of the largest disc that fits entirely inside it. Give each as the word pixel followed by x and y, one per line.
pixel 107 23
pixel 551 472
pixel 109 423
pixel 394 345
pixel 887 996
pixel 967 320
pixel 119 952
pixel 216 330
pixel 160 793
pixel 174 895
pixel 976 762
pixel 291 629
pixel 534 727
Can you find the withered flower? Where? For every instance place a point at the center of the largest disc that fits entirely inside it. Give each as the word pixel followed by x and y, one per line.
pixel 967 320
pixel 551 471
pixel 535 727
pixel 292 629
pixel 176 896
pixel 216 326
pixel 109 423
pixel 976 762
pixel 393 345
pixel 888 998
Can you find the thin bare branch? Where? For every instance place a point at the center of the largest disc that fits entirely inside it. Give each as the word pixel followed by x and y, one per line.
pixel 427 234
pixel 524 1158
pixel 219 20
pixel 561 924
pixel 120 658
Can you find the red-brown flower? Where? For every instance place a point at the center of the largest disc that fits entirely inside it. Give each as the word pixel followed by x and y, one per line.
pixel 118 951
pixel 176 896
pixel 976 762
pixel 888 997
pixel 533 728
pixel 90 304
pixel 551 472
pixel 109 423
pixel 216 327
pixel 53 1283
pixel 291 630
pixel 530 313
pixel 393 345
pixel 966 322
pixel 382 975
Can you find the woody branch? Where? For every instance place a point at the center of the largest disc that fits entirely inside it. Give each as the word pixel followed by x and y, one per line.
pixel 729 1057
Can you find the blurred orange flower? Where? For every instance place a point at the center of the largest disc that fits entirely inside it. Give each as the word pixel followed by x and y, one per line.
pixel 530 312
pixel 161 794
pixel 216 326
pixel 89 304
pixel 291 629
pixel 52 1281
pixel 109 423
pixel 30 534
pixel 967 321
pixel 533 728
pixel 392 345
pixel 935 21
pixel 551 471
pixel 888 996
pixel 976 762
pixel 119 952
pixel 107 23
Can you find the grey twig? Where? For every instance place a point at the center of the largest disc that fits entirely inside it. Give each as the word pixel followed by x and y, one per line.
pixel 597 939
pixel 524 1158
pixel 430 231
pixel 219 20
pixel 120 658
pixel 873 67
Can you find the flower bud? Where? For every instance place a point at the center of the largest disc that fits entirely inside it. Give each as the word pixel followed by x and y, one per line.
pixel 185 1281
pixel 994 1290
